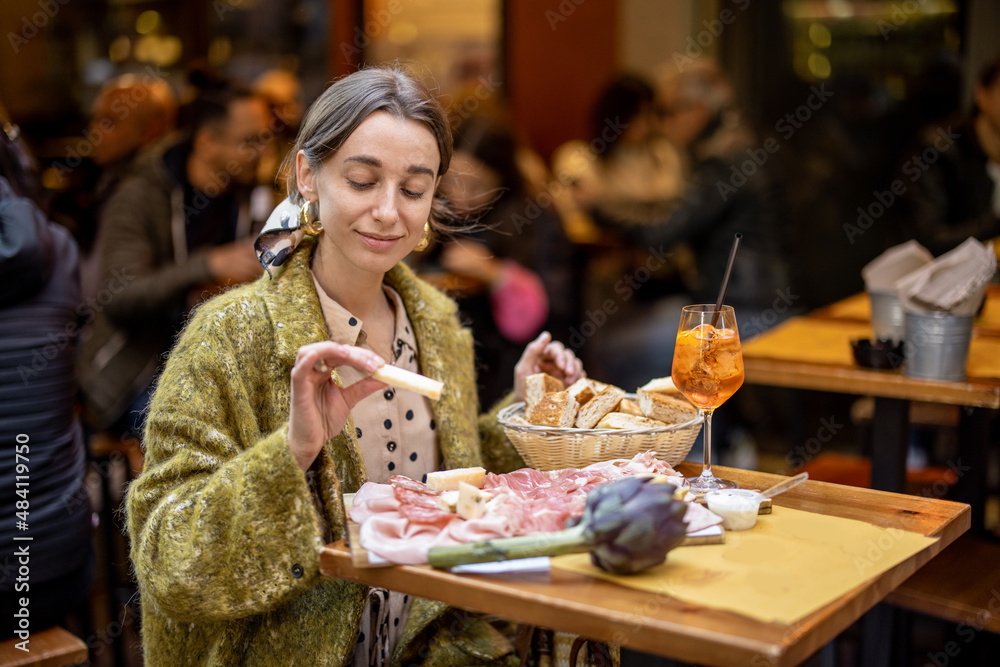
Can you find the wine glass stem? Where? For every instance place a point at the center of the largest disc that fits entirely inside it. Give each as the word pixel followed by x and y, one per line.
pixel 706 469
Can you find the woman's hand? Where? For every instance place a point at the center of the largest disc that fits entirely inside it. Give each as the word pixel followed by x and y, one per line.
pixel 319 408
pixel 544 355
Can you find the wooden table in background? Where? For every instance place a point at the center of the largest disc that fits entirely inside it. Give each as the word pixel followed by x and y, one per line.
pixel 823 362
pixel 672 628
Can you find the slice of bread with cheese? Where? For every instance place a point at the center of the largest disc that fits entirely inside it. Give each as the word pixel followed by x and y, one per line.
pixel 605 401
pixel 558 409
pixel 669 408
pixel 538 385
pixel 447 480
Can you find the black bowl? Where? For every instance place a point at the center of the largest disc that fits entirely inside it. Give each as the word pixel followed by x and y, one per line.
pixel 877 354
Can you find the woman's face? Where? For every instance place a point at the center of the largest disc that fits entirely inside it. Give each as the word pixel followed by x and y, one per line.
pixel 375 192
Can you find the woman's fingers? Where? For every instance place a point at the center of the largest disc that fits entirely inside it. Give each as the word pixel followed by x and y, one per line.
pixel 535 348
pixel 560 361
pixel 319 408
pixel 546 355
pixel 320 358
pixel 360 389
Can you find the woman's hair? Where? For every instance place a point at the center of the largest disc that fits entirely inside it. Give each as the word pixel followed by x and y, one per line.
pixel 348 102
pixel 621 101
pixel 489 138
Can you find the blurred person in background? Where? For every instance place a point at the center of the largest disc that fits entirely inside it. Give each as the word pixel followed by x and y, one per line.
pixel 129 114
pixel 722 196
pixel 513 274
pixel 283 92
pixel 626 173
pixel 953 178
pixel 700 117
pixel 625 178
pixel 177 229
pixel 41 436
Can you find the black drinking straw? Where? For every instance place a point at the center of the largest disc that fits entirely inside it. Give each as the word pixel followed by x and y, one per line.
pixel 725 278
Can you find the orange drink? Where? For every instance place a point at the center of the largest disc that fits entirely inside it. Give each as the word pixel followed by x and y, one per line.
pixel 708 369
pixel 708 365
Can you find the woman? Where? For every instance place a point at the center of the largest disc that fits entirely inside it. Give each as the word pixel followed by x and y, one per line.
pixel 245 470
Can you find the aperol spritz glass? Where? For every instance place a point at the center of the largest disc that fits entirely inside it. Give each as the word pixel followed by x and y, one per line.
pixel 708 369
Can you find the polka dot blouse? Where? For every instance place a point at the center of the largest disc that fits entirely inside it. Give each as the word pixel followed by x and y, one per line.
pixel 395 427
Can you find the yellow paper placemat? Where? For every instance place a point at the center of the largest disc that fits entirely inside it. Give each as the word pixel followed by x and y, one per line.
pixel 809 340
pixel 829 342
pixel 787 566
pixel 984 357
pixel 857 307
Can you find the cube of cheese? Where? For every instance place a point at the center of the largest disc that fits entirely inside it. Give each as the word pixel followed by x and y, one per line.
pixel 448 480
pixel 448 500
pixel 471 501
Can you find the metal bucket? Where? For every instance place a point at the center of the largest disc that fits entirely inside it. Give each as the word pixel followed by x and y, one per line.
pixel 937 346
pixel 888 322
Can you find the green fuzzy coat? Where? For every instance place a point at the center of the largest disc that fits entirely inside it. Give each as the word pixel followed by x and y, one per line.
pixel 225 531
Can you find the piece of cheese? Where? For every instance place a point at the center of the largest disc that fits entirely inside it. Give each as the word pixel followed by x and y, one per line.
pixel 400 377
pixel 448 500
pixel 447 480
pixel 471 501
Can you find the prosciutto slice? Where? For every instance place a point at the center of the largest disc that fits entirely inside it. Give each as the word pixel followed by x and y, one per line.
pixel 401 521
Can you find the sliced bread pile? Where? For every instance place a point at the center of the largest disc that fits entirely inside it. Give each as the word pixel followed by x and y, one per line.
pixel 588 403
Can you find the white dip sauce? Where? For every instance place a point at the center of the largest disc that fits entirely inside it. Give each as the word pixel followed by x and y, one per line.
pixel 737 507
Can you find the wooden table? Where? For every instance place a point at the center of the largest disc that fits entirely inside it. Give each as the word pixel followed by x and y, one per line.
pixel 824 363
pixel 665 626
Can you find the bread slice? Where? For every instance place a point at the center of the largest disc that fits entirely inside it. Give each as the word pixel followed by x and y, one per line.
pixel 582 390
pixel 664 385
pixel 620 420
pixel 556 409
pixel 630 407
pixel 605 401
pixel 665 407
pixel 538 385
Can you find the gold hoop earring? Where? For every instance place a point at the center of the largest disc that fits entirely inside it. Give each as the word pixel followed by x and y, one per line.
pixel 425 238
pixel 309 226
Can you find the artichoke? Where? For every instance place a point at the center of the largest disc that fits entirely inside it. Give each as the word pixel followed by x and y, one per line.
pixel 628 525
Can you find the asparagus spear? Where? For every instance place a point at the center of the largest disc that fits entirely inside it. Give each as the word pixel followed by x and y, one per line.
pixel 628 525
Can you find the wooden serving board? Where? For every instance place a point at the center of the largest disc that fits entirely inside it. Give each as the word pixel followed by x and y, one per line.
pixel 360 557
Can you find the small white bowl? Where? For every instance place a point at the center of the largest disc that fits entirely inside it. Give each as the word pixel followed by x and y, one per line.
pixel 737 507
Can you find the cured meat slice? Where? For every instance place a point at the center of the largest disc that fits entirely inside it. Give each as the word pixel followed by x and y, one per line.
pixel 403 482
pixel 421 507
pixel 372 499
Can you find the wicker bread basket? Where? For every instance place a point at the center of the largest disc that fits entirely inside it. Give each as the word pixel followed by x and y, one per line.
pixel 553 448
